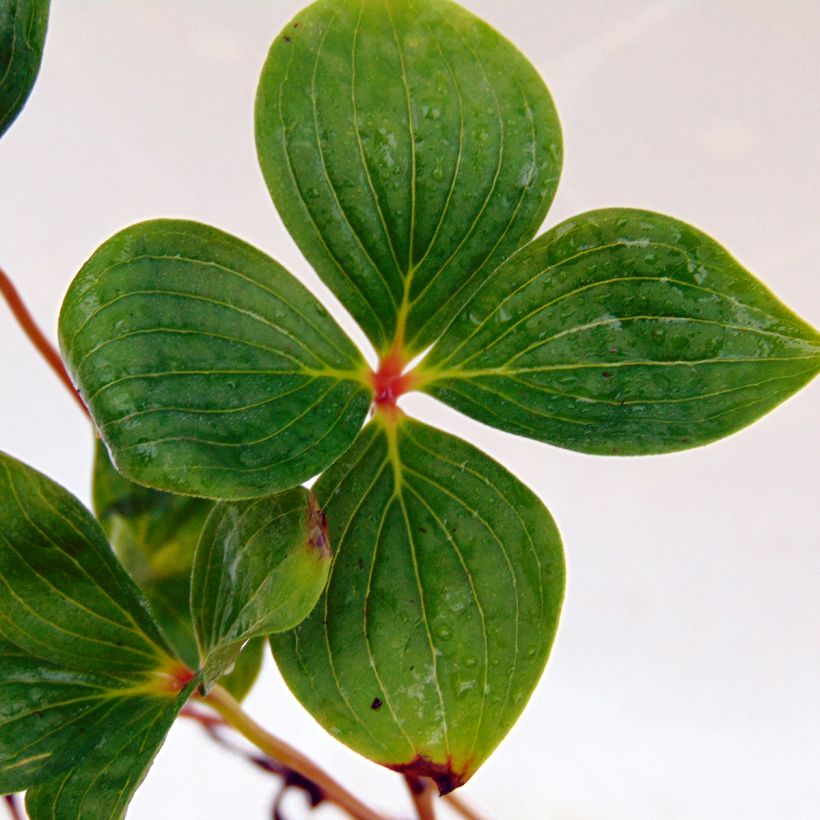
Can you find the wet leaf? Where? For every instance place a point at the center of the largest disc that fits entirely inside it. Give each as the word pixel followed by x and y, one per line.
pixel 409 148
pixel 88 685
pixel 209 370
pixel 441 606
pixel 260 567
pixel 622 332
pixel 23 26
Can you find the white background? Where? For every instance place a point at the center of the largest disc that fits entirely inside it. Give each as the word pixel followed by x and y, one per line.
pixel 685 681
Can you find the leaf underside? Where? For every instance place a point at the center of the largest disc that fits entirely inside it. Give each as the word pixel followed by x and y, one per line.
pixel 23 26
pixel 260 567
pixel 209 369
pixel 622 332
pixel 409 148
pixel 441 607
pixel 84 694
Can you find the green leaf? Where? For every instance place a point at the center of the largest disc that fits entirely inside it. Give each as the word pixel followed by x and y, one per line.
pixel 441 607
pixel 64 597
pixel 260 568
pixel 409 149
pixel 87 683
pixel 101 786
pixel 208 368
pixel 154 535
pixel 23 26
pixel 622 332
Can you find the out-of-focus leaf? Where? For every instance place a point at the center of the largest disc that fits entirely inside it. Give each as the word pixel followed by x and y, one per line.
pixel 154 535
pixel 23 26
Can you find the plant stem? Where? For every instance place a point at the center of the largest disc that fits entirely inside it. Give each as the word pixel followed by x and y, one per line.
pixel 35 335
pixel 13 806
pixel 460 807
pixel 421 793
pixel 223 702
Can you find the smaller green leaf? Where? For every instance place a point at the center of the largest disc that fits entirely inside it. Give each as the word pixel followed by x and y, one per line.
pixel 23 26
pixel 622 332
pixel 88 685
pixel 260 567
pixel 209 370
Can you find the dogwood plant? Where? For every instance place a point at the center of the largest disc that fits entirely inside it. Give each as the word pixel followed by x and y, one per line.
pixel 412 596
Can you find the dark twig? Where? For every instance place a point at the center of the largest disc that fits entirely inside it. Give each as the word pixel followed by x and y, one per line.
pixel 216 725
pixel 221 701
pixel 36 336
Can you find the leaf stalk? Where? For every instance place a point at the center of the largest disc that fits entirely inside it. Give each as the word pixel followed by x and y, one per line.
pixel 36 336
pixel 223 702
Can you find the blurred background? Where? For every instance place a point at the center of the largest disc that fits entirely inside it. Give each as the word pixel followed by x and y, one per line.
pixel 685 682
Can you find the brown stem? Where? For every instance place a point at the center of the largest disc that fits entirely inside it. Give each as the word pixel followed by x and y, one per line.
pixel 223 702
pixel 213 724
pixel 458 805
pixel 13 806
pixel 421 793
pixel 35 335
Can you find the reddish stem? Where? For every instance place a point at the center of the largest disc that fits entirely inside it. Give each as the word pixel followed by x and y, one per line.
pixel 208 722
pixel 13 806
pixel 421 793
pixel 36 336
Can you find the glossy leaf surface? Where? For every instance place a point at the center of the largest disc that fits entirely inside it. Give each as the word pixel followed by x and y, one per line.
pixel 23 26
pixel 260 568
pixel 86 680
pixel 208 368
pixel 622 332
pixel 441 606
pixel 409 148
